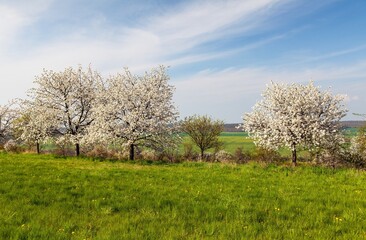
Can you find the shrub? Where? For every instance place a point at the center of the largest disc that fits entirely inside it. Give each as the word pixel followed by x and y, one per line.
pixel 101 152
pixel 346 155
pixel 148 154
pixel 354 160
pixel 356 155
pixel 189 154
pixel 267 155
pixel 169 155
pixel 207 157
pixel 240 156
pixel 62 145
pixel 11 146
pixel 223 156
pixel 330 158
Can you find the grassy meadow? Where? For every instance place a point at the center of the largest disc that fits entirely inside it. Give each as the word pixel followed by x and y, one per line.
pixel 47 197
pixel 234 140
pixel 230 140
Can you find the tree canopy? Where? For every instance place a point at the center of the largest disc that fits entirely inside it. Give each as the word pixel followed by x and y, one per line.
pixel 134 109
pixel 295 116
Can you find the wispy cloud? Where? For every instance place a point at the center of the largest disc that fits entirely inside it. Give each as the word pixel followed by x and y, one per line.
pixel 203 21
pixel 16 16
pixel 163 39
pixel 55 34
pixel 11 22
pixel 173 38
pixel 239 89
pixel 298 58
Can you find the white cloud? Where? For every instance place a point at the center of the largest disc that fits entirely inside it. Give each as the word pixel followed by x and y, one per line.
pixel 11 22
pixel 303 57
pixel 348 98
pixel 234 91
pixel 202 21
pixel 172 38
pixel 15 16
pixel 167 38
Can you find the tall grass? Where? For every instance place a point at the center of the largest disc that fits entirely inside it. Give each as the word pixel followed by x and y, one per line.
pixel 43 197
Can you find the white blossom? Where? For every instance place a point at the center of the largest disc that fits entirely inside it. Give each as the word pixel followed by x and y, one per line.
pixel 295 116
pixel 7 116
pixel 33 124
pixel 67 99
pixel 134 109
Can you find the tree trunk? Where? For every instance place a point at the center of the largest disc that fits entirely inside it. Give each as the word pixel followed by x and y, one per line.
pixel 202 154
pixel 77 149
pixel 38 148
pixel 294 156
pixel 132 152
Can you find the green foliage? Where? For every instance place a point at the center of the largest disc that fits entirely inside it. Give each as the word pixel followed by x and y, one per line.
pixel 188 152
pixel 43 197
pixel 203 131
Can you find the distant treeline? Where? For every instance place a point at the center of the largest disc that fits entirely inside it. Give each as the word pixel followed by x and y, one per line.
pixel 232 127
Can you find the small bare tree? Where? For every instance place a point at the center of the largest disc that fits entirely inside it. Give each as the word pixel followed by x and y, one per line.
pixel 203 131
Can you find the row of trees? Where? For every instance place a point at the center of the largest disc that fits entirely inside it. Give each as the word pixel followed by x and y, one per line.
pixel 79 107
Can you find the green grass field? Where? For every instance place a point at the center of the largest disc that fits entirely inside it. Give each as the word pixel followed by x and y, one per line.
pixel 231 141
pixel 44 197
pixel 234 140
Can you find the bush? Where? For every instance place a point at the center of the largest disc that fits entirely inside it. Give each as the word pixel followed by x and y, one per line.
pixel 101 152
pixel 267 155
pixel 207 157
pixel 355 160
pixel 189 154
pixel 148 154
pixel 240 156
pixel 356 155
pixel 223 156
pixel 11 146
pixel 344 156
pixel 171 156
pixel 330 158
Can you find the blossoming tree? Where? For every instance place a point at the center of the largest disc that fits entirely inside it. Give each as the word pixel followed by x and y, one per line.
pixel 134 109
pixel 295 116
pixel 7 115
pixel 33 126
pixel 67 98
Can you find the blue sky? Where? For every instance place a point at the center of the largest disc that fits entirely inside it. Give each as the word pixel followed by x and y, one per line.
pixel 221 53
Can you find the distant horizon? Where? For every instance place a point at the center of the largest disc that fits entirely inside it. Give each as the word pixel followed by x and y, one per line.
pixel 221 53
pixel 340 121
